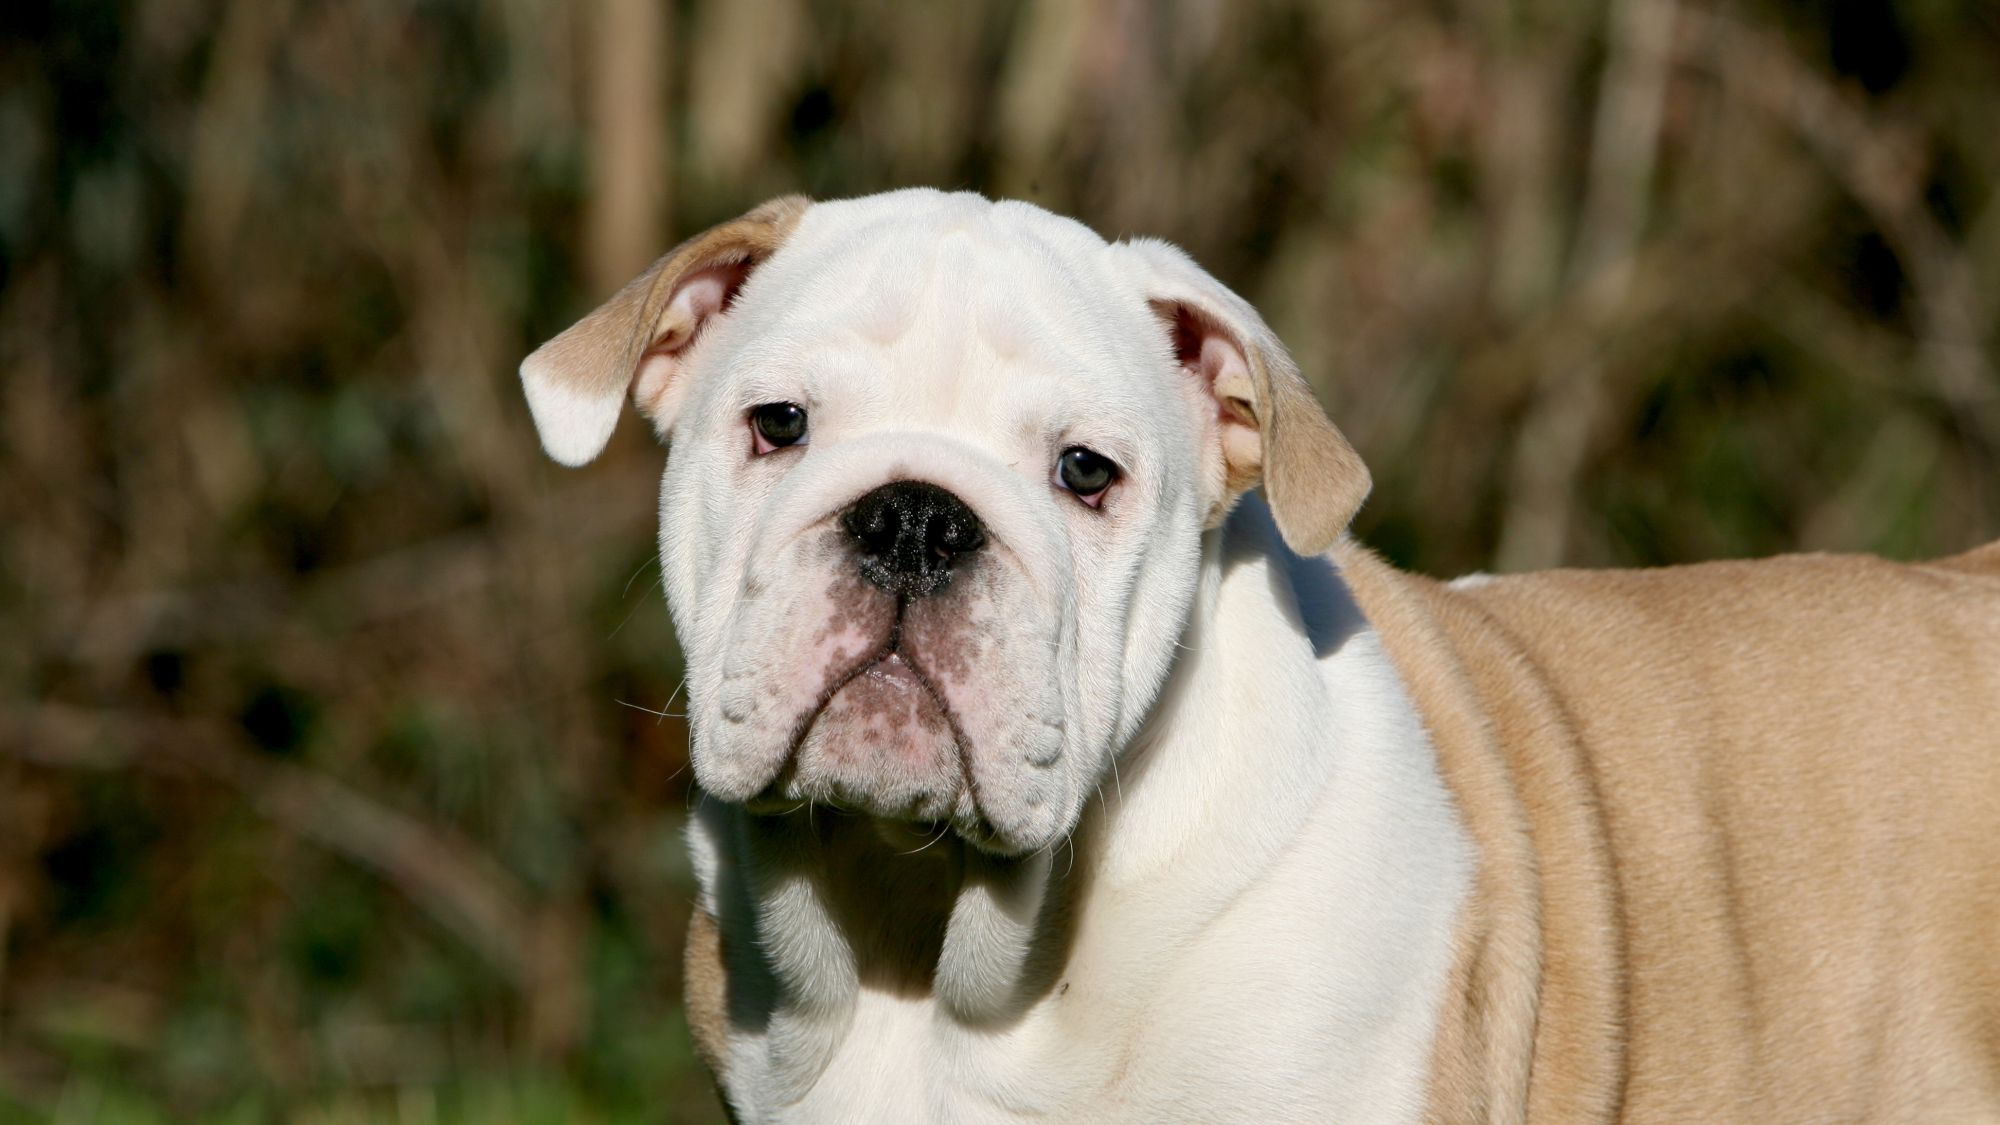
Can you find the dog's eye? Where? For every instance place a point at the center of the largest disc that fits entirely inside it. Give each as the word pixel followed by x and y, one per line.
pixel 1086 473
pixel 776 425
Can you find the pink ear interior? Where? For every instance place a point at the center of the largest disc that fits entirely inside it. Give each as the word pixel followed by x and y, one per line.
pixel 699 296
pixel 1214 357
pixel 1209 353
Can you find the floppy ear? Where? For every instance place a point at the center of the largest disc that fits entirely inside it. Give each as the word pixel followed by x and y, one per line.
pixel 1271 427
pixel 640 338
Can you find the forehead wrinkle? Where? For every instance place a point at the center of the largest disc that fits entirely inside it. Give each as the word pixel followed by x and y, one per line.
pixel 887 301
pixel 1029 416
pixel 930 302
pixel 1036 310
pixel 895 269
pixel 830 367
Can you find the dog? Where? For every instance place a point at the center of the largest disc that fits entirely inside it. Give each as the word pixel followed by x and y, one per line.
pixel 1051 773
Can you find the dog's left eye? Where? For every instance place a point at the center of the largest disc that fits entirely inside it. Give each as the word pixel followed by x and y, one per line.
pixel 775 425
pixel 1087 473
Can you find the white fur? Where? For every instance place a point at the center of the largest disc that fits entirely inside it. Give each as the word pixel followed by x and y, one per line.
pixel 1272 907
pixel 574 425
pixel 1223 875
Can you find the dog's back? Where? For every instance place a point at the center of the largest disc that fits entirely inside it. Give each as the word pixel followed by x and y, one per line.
pixel 1763 801
pixel 1979 560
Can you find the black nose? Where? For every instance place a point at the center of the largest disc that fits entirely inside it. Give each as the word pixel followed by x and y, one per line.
pixel 910 533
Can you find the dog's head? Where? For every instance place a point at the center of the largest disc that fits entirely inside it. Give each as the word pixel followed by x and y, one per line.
pixel 939 470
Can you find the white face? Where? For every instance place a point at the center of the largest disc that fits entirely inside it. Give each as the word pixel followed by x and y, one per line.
pixel 971 648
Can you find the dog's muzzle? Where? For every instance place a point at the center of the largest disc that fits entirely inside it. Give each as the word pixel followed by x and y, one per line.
pixel 894 661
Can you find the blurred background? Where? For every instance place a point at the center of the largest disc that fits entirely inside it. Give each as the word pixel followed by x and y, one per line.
pixel 341 775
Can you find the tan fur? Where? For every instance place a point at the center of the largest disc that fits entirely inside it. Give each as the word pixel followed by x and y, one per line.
pixel 1313 479
pixel 1738 824
pixel 1273 430
pixel 599 353
pixel 1739 828
pixel 1740 831
pixel 706 990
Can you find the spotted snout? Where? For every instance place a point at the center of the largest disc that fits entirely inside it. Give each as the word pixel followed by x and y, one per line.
pixel 894 659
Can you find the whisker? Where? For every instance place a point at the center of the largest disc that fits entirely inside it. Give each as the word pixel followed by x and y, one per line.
pixel 693 791
pixel 942 829
pixel 650 560
pixel 649 710
pixel 670 702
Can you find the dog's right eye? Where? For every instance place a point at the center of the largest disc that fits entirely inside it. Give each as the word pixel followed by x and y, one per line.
pixel 775 425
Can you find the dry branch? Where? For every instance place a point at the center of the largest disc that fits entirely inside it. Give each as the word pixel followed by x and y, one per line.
pixel 444 875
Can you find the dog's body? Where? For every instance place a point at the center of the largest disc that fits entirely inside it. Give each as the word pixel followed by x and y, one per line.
pixel 1232 821
pixel 1736 825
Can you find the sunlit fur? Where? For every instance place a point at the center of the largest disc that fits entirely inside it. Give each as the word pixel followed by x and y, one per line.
pixel 1188 852
pixel 946 339
pixel 1212 873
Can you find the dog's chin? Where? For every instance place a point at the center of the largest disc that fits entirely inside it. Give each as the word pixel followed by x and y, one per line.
pixel 883 745
pixel 883 740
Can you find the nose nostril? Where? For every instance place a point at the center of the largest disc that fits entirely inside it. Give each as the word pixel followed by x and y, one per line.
pixel 877 530
pixel 909 534
pixel 952 536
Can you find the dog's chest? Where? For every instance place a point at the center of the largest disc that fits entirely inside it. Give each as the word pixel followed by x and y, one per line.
pixel 900 1060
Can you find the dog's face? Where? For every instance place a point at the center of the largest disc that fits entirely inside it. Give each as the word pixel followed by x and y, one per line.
pixel 931 520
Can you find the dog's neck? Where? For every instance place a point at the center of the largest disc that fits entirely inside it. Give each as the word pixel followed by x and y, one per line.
pixel 1235 753
pixel 1278 694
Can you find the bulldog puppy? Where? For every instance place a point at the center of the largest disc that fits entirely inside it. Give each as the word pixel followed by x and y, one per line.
pixel 1049 777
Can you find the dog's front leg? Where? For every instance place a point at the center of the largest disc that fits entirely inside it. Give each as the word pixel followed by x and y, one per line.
pixel 992 926
pixel 785 871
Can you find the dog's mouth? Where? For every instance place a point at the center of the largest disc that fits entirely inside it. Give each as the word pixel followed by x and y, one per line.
pixel 882 741
pixel 895 673
pixel 942 708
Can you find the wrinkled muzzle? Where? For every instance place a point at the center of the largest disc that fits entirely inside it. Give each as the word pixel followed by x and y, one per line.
pixel 890 655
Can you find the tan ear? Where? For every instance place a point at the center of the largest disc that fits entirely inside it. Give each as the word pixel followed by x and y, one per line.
pixel 637 341
pixel 1271 428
